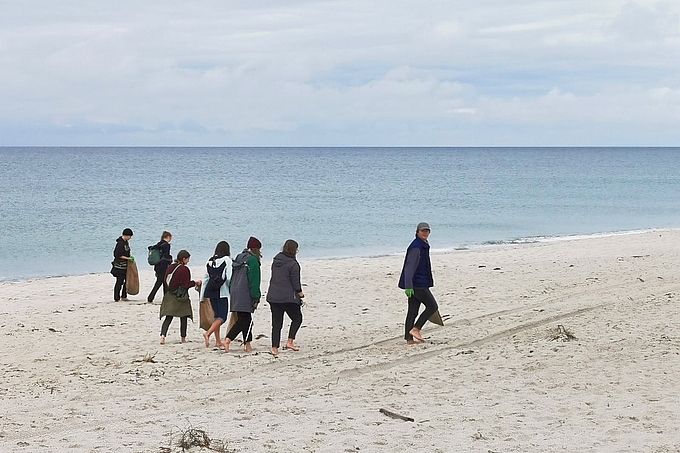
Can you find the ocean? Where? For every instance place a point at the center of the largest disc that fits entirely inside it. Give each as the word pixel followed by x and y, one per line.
pixel 63 208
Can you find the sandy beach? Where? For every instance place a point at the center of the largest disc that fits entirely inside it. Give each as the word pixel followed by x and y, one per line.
pixel 500 376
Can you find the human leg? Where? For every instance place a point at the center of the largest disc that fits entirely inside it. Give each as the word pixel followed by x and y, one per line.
pixel 120 285
pixel 427 299
pixel 295 314
pixel 123 291
pixel 235 329
pixel 183 322
pixel 214 329
pixel 247 329
pixel 156 287
pixel 411 315
pixel 164 328
pixel 277 324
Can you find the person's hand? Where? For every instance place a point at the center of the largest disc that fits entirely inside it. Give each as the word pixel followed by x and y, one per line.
pixel 409 292
pixel 301 295
pixel 198 282
pixel 256 302
pixel 131 258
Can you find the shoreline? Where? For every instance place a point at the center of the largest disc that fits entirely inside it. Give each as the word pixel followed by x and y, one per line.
pixel 435 250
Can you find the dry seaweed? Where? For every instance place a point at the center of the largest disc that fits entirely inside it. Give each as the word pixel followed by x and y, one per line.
pixel 561 334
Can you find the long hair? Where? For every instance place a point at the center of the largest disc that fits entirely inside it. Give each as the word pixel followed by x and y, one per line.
pixel 181 255
pixel 290 247
pixel 256 253
pixel 221 250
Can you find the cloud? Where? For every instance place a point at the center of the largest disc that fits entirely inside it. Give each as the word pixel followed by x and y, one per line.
pixel 330 72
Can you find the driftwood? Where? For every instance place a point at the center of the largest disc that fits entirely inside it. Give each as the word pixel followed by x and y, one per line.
pixel 395 415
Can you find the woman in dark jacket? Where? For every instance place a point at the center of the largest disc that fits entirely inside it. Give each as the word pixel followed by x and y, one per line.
pixel 176 301
pixel 285 295
pixel 162 266
pixel 244 290
pixel 121 256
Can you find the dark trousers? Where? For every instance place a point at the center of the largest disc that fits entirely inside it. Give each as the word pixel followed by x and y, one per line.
pixel 420 296
pixel 159 282
pixel 182 326
pixel 294 313
pixel 242 324
pixel 119 288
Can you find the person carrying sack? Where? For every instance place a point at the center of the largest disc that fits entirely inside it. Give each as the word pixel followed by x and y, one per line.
pixel 176 300
pixel 215 291
pixel 121 256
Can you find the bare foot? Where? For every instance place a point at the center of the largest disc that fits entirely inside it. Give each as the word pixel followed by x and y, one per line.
pixel 290 345
pixel 207 339
pixel 225 343
pixel 184 339
pixel 247 347
pixel 415 332
pixel 218 343
pixel 413 342
pixel 162 340
pixel 275 351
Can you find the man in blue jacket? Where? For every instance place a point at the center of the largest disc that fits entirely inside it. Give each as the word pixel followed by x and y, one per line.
pixel 416 281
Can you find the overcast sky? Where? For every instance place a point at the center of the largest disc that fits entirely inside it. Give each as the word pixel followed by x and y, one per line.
pixel 340 73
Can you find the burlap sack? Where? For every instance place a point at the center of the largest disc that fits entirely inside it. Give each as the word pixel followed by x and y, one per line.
pixel 207 314
pixel 132 278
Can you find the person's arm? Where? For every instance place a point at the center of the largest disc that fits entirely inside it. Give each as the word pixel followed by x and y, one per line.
pixel 295 279
pixel 254 278
pixel 184 277
pixel 118 251
pixel 410 266
pixel 165 252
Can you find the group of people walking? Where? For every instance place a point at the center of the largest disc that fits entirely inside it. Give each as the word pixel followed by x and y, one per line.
pixel 233 286
pixel 230 285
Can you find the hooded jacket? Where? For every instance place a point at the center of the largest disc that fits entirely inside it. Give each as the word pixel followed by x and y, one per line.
pixel 224 289
pixel 284 284
pixel 244 286
pixel 119 265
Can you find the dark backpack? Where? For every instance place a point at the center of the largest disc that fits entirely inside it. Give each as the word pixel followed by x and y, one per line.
pixel 155 255
pixel 216 279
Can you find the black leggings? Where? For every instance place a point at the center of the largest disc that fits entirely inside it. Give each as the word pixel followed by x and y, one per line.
pixel 156 287
pixel 119 288
pixel 294 313
pixel 420 296
pixel 242 324
pixel 182 326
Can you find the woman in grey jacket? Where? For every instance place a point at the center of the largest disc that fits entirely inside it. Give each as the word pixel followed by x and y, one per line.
pixel 244 289
pixel 285 295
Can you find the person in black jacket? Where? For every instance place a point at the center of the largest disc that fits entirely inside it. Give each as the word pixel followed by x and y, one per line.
pixel 285 295
pixel 160 268
pixel 121 256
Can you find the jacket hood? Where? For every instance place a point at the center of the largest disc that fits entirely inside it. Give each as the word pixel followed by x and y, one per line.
pixel 218 261
pixel 120 239
pixel 282 259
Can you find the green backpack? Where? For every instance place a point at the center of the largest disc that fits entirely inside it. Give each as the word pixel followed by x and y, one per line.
pixel 155 256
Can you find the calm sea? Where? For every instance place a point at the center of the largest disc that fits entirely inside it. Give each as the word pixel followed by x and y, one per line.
pixel 63 208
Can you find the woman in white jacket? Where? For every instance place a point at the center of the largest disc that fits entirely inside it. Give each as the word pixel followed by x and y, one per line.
pixel 216 288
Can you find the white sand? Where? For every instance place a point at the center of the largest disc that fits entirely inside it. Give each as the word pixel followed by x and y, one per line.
pixel 491 380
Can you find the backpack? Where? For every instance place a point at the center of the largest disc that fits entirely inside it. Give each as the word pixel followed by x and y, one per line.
pixel 155 256
pixel 216 277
